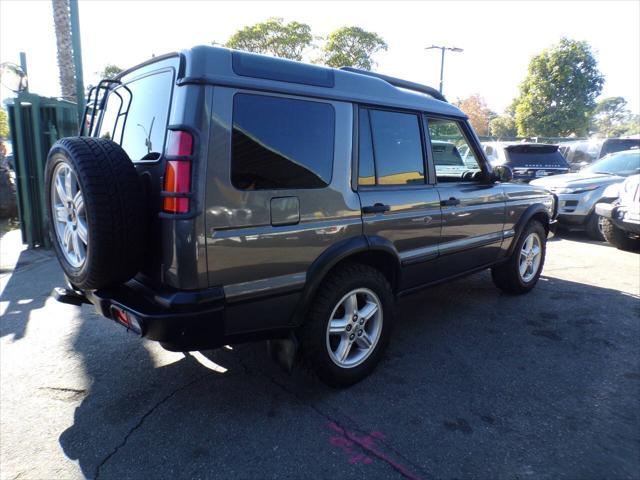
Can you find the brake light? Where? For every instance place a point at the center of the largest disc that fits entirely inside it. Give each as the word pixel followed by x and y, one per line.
pixel 177 178
pixel 179 143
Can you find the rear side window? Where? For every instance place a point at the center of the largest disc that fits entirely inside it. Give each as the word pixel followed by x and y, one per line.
pixel 393 141
pixel 280 143
pixel 141 130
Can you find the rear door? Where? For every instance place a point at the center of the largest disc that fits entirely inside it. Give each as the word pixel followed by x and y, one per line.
pixel 399 205
pixel 473 211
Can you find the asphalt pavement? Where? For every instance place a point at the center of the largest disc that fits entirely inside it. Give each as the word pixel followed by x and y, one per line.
pixel 475 384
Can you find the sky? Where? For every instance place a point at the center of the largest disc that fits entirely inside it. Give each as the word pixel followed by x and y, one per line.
pixel 498 37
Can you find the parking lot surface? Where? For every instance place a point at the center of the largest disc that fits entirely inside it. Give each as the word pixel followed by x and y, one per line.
pixel 475 384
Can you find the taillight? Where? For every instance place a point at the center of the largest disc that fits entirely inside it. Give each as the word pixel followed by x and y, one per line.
pixel 177 177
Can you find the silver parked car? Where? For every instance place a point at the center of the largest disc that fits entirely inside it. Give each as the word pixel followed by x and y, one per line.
pixel 579 192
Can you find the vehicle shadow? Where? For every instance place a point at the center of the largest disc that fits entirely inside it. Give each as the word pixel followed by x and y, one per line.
pixel 27 289
pixel 545 383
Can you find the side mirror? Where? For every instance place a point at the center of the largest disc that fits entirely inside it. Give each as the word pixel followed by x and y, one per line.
pixel 502 173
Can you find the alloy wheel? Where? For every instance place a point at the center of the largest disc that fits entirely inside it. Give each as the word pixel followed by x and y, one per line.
pixel 69 215
pixel 354 328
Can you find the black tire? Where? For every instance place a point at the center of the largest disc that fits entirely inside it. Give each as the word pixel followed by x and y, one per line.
pixel 618 237
pixel 313 333
pixel 593 228
pixel 114 203
pixel 506 276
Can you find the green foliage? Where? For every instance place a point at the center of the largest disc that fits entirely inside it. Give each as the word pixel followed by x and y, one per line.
pixel 273 37
pixel 558 95
pixel 352 47
pixel 4 124
pixel 110 71
pixel 503 126
pixel 632 126
pixel 611 116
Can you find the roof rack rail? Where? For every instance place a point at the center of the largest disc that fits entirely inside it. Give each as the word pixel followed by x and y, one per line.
pixel 398 82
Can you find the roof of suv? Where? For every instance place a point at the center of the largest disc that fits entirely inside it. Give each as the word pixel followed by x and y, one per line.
pixel 237 69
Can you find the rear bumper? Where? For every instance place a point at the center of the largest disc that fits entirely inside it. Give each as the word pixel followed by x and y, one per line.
pixel 180 320
pixel 187 320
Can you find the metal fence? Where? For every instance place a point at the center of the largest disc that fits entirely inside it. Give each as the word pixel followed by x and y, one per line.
pixel 36 123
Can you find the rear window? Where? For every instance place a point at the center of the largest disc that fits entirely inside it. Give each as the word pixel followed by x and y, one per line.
pixel 140 131
pixel 618 145
pixel 535 156
pixel 281 143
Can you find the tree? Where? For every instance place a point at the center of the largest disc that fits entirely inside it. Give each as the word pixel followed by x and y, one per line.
pixel 352 47
pixel 66 67
pixel 273 37
pixel 503 126
pixel 558 95
pixel 611 116
pixel 110 71
pixel 4 124
pixel 479 114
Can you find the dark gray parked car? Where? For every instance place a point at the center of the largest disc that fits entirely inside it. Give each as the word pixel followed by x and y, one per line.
pixel 222 196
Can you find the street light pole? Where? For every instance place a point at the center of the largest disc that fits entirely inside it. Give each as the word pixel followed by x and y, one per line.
pixel 442 49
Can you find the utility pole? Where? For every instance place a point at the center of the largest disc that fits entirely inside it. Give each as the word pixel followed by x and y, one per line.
pixel 442 49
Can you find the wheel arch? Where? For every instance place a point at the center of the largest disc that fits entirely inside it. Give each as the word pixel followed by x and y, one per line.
pixel 368 250
pixel 536 211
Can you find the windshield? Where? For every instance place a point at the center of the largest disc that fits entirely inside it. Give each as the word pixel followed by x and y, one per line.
pixel 622 163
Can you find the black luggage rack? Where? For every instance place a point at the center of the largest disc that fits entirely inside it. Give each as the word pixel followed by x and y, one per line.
pixel 400 83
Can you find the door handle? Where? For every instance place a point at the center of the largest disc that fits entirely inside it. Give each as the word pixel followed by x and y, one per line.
pixel 452 202
pixel 376 208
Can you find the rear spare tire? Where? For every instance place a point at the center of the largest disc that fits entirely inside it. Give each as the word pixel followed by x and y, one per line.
pixel 95 205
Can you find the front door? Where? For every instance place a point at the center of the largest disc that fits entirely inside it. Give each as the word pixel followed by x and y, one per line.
pixel 473 210
pixel 398 204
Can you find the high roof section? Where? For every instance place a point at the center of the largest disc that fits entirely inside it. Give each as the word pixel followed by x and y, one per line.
pixel 221 66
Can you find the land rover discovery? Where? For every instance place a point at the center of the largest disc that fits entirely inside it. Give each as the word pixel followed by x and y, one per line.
pixel 216 196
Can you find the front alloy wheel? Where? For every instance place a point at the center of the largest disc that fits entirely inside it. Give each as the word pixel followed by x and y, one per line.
pixel 530 256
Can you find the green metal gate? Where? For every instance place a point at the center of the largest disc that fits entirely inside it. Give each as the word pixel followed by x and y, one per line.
pixel 36 123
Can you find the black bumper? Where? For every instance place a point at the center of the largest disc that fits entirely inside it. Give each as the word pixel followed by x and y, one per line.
pixel 180 320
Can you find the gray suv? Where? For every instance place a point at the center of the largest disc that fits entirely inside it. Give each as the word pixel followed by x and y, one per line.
pixel 217 196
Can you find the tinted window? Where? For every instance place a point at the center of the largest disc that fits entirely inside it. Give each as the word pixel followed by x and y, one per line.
pixel 453 157
pixel 366 169
pixel 146 120
pixel 397 148
pixel 534 156
pixel 281 143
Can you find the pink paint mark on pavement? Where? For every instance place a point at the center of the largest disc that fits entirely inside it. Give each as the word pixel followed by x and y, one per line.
pixel 346 440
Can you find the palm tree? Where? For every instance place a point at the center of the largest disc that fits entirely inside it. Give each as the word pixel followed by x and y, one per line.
pixel 62 21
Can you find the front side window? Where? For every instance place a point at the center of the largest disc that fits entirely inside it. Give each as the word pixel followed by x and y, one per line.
pixel 142 130
pixel 393 141
pixel 280 143
pixel 453 157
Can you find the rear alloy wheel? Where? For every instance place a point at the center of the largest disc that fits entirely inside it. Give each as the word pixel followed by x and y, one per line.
pixel 348 325
pixel 354 328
